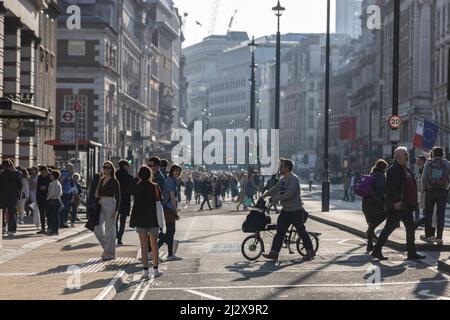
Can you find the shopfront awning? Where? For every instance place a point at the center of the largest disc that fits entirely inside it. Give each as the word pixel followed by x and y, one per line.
pixel 11 109
pixel 64 146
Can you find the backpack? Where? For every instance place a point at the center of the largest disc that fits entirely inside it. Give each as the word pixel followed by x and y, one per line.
pixel 364 188
pixel 255 221
pixel 437 174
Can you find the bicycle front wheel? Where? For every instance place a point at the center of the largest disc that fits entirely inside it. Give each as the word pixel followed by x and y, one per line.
pixel 301 247
pixel 252 247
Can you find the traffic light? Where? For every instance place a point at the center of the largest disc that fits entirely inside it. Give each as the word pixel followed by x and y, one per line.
pixel 130 156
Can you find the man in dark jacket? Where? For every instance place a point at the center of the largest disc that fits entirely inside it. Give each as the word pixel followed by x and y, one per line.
pixel 125 180
pixel 41 195
pixel 206 189
pixel 154 164
pixel 10 190
pixel 401 200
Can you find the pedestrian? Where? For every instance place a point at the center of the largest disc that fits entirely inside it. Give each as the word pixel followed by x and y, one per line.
pixel 197 188
pixel 32 186
pixel 41 195
pixel 67 184
pixel 241 196
pixel 373 206
pixel 144 217
pixel 421 160
pixel 125 180
pixel 154 164
pixel 288 192
pixel 250 189
pixel 205 188
pixel 91 201
pixel 10 192
pixel 346 182
pixel 171 210
pixel 217 192
pixel 401 200
pixel 76 193
pixel 435 182
pixel 352 187
pixel 54 203
pixel 311 180
pixel 108 195
pixel 188 188
pixel 163 167
pixel 24 195
pixel 234 187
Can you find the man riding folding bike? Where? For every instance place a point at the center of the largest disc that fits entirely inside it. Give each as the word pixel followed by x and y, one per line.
pixel 287 191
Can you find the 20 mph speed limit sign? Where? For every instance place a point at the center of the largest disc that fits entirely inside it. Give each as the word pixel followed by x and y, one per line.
pixel 395 122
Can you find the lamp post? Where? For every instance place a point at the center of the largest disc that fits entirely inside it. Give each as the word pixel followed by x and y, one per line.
pixel 253 66
pixel 326 169
pixel 396 67
pixel 278 12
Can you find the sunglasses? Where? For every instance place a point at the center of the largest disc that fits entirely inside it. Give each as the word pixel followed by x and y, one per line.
pixel 106 167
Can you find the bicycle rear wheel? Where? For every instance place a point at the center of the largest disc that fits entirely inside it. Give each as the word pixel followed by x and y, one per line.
pixel 252 247
pixel 301 248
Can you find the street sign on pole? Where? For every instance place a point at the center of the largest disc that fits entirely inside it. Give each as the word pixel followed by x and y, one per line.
pixel 395 122
pixel 395 136
pixel 77 107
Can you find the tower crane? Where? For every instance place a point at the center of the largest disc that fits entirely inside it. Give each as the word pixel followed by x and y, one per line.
pixel 230 25
pixel 215 10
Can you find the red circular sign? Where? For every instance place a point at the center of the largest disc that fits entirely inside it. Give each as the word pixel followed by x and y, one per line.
pixel 68 116
pixel 77 107
pixel 395 122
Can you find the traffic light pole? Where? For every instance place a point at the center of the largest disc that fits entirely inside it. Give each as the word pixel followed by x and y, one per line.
pixel 396 67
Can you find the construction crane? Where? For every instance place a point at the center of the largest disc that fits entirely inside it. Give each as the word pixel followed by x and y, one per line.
pixel 215 10
pixel 230 25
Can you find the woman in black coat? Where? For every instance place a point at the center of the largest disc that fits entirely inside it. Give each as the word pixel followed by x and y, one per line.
pixel 144 217
pixel 374 206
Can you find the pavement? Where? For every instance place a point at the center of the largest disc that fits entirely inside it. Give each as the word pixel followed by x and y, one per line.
pixel 68 267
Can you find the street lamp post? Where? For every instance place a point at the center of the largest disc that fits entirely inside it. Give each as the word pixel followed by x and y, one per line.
pixel 326 170
pixel 278 12
pixel 396 67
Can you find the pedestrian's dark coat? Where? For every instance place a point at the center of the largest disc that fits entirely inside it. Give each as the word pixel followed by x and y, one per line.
pixel 396 185
pixel 143 214
pixel 125 180
pixel 10 186
pixel 376 203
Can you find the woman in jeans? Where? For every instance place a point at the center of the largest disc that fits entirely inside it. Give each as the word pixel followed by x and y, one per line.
pixel 170 196
pixel 24 195
pixel 53 203
pixel 108 196
pixel 373 207
pixel 144 218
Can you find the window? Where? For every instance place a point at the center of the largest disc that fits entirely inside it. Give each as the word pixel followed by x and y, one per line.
pixel 311 122
pixel 311 142
pixel 76 48
pixel 311 104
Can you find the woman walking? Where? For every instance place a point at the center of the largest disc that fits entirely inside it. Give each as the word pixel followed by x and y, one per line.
pixel 241 196
pixel 76 196
pixel 374 206
pixel 144 217
pixel 108 196
pixel 188 188
pixel 54 203
pixel 24 195
pixel 171 210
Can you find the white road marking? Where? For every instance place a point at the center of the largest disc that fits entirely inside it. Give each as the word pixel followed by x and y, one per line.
pixel 144 292
pixel 342 285
pixel 426 293
pixel 136 290
pixel 111 287
pixel 79 239
pixel 204 295
pixel 189 229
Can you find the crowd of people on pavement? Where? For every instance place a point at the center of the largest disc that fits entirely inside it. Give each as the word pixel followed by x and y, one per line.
pixel 394 193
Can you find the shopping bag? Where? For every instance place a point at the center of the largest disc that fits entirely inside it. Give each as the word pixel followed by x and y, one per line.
pixel 36 214
pixel 160 215
pixel 248 202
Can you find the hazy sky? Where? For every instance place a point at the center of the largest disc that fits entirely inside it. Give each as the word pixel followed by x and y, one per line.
pixel 254 16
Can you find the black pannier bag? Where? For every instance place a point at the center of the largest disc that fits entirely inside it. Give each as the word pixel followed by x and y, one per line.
pixel 255 221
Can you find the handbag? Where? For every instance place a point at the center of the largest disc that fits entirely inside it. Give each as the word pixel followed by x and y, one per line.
pixel 160 210
pixel 94 217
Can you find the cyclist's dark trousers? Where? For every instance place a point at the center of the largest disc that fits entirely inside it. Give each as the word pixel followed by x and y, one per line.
pixel 285 220
pixel 205 200
pixel 435 197
pixel 393 220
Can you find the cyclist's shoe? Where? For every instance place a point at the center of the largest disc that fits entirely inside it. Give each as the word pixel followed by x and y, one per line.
pixel 310 254
pixel 271 256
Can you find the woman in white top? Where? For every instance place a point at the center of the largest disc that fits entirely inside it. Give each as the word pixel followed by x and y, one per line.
pixel 23 195
pixel 54 203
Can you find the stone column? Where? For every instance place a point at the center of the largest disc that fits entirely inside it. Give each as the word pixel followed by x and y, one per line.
pixel 10 143
pixel 27 86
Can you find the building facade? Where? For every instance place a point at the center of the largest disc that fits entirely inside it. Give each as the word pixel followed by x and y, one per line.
pixel 348 21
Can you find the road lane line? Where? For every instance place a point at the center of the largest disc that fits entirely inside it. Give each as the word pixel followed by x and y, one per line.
pixel 203 295
pixel 145 290
pixel 342 285
pixel 79 239
pixel 136 290
pixel 111 289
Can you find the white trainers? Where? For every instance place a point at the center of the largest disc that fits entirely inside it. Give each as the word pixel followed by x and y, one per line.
pixel 175 246
pixel 157 273
pixel 145 274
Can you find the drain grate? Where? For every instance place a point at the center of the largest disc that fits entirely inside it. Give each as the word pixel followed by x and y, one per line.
pixel 225 248
pixel 93 265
